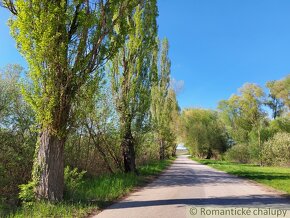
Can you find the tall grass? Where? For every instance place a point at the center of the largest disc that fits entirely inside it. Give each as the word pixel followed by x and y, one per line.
pixel 93 194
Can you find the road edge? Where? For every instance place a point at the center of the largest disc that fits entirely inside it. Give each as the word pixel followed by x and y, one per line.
pixel 264 186
pixel 143 184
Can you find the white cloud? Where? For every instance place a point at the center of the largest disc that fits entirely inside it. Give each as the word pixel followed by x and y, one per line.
pixel 176 85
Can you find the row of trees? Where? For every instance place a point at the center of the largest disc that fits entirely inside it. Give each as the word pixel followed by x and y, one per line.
pixel 97 89
pixel 247 121
pixel 247 125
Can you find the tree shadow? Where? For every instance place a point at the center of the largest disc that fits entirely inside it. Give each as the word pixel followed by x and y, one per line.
pixel 256 175
pixel 251 200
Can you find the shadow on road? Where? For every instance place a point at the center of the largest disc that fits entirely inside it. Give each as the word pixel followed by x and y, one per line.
pixel 186 182
pixel 242 201
pixel 179 176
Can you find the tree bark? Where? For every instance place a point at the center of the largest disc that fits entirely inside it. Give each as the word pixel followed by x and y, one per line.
pixel 260 146
pixel 209 154
pixel 49 168
pixel 128 150
pixel 50 161
pixel 161 150
pixel 174 151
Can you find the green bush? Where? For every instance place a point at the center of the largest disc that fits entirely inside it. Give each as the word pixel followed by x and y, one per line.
pixel 276 151
pixel 26 194
pixel 73 179
pixel 238 153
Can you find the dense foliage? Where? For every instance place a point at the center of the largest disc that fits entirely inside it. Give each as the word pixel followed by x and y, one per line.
pixel 204 133
pixel 17 135
pixel 85 102
pixel 276 150
pixel 249 127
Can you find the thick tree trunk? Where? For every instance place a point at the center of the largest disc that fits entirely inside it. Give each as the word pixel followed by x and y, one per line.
pixel 50 167
pixel 128 150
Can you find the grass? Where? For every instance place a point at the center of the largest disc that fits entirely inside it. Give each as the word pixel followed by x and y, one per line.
pixel 93 194
pixel 275 177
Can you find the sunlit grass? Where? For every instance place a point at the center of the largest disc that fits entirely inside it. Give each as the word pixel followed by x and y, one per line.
pixel 93 194
pixel 276 177
pixel 45 209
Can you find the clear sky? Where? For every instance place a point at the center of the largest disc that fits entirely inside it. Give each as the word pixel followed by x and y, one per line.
pixel 215 45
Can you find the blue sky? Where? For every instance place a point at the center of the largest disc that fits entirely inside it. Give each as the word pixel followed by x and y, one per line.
pixel 215 45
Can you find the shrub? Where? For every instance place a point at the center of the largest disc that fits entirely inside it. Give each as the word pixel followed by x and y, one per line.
pixel 276 151
pixel 73 179
pixel 26 194
pixel 238 153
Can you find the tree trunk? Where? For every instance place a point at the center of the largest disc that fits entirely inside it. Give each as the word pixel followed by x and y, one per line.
pixel 260 146
pixel 50 167
pixel 209 154
pixel 174 151
pixel 128 150
pixel 161 150
pixel 48 170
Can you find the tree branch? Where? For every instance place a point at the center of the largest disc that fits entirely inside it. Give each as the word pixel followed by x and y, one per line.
pixel 9 4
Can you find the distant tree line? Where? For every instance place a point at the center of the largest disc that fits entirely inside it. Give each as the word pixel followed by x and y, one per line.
pixel 249 127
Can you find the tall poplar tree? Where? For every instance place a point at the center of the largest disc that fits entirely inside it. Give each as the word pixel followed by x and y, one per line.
pixel 64 43
pixel 161 106
pixel 175 123
pixel 131 73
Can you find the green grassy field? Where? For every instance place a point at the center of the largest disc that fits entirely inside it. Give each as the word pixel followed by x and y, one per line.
pixel 275 177
pixel 94 193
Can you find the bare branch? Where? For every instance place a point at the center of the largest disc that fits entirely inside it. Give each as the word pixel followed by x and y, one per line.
pixel 73 26
pixel 9 4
